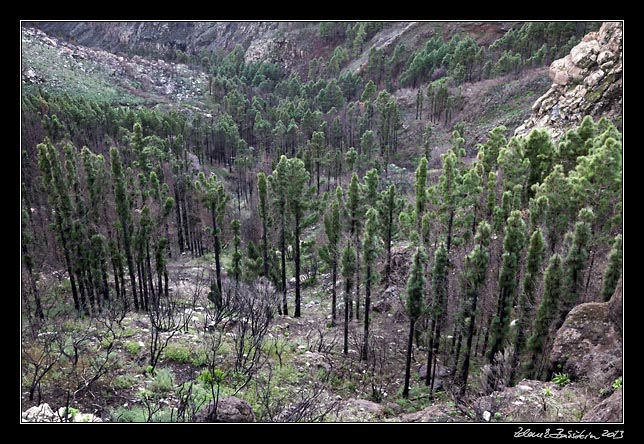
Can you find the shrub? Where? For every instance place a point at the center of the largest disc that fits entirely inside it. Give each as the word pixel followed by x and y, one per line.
pixel 561 379
pixel 133 348
pixel 163 381
pixel 178 353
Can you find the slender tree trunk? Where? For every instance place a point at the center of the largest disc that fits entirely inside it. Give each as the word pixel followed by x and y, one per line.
pixel 130 265
pixel 297 262
pixel 177 208
pixel 465 366
pixel 367 307
pixel 149 273
pixel 72 279
pixel 347 292
pixel 106 288
pixel 218 296
pixel 410 344
pixel 283 254
pixel 265 242
pixel 358 281
pixel 334 275
pixel 34 290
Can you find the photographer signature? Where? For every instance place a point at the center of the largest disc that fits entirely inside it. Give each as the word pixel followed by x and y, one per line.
pixel 568 434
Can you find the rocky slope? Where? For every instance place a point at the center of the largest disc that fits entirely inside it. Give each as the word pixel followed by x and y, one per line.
pixel 588 81
pixel 104 76
pixel 291 44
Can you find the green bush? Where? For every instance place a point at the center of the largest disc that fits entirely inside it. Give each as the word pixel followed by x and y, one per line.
pixel 124 381
pixel 163 381
pixel 561 379
pixel 132 347
pixel 178 353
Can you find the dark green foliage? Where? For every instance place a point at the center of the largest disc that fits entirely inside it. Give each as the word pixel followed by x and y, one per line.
pixel 613 269
pixel 474 273
pixel 236 265
pixel 527 298
pixel 414 305
pixel 546 314
pixel 333 230
pixel 513 244
pixel 371 248
pixel 575 262
pixel 421 194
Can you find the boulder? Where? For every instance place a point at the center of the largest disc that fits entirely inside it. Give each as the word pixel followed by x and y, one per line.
pixel 593 79
pixel 588 346
pixel 442 373
pixel 229 409
pixel 360 410
pixel 386 300
pixel 585 53
pixel 609 410
pixel 40 413
pixel 314 360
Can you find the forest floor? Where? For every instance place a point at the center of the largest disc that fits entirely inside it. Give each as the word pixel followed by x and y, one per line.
pixel 302 373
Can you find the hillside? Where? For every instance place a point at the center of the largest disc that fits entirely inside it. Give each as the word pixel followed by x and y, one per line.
pixel 321 221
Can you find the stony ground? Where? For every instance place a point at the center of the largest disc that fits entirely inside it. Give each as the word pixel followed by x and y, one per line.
pixel 305 371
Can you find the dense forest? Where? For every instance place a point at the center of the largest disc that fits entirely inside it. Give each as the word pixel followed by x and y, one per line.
pixel 198 254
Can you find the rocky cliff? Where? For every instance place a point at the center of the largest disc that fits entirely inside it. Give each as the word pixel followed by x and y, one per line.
pixel 588 81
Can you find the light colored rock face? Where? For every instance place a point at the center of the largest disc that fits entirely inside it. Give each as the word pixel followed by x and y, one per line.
pixel 588 346
pixel 44 413
pixel 588 81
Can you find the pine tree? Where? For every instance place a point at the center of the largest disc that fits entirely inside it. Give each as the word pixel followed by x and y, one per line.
pixel 414 305
pixel 574 264
pixel 437 311
pixel 214 197
pixel 371 247
pixel 348 271
pixel 513 244
pixel 317 145
pixel 390 206
pixel 354 210
pixel 279 185
pixel 527 298
pixel 123 210
pixel 421 193
pixel 613 269
pixel 546 314
pixel 235 267
pixel 262 191
pixel 298 204
pixel 539 150
pixel 474 273
pixel 333 230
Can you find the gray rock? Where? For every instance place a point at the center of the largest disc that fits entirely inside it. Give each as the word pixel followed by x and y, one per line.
pixel 588 345
pixel 229 409
pixel 609 410
pixel 442 373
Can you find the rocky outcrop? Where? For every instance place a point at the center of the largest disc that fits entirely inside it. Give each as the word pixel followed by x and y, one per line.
pixel 588 346
pixel 44 413
pixel 536 401
pixel 229 409
pixel 588 81
pixel 609 410
pixel 359 410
